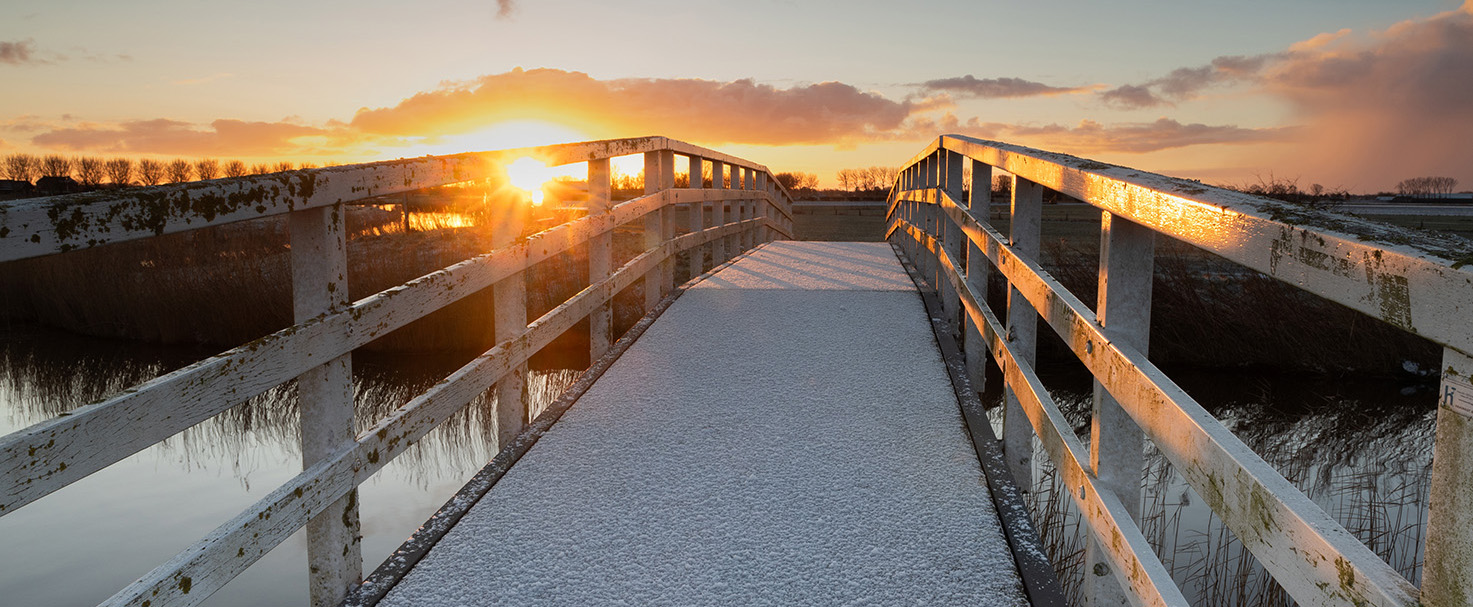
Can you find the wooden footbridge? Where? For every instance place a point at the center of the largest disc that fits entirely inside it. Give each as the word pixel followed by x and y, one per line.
pixel 790 423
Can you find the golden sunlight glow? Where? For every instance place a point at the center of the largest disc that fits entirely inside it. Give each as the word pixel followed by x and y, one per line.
pixel 530 175
pixel 517 134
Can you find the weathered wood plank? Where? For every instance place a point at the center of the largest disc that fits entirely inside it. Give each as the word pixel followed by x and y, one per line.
pixel 1315 559
pixel 319 259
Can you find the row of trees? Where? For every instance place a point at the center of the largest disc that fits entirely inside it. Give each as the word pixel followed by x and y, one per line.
pixel 797 180
pixel 92 171
pixel 872 178
pixel 1426 187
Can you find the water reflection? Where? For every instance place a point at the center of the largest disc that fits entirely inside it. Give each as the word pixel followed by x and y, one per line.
pixel 1361 448
pixel 120 522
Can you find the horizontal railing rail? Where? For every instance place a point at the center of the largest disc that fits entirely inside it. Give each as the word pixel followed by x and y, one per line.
pixel 1413 281
pixel 48 456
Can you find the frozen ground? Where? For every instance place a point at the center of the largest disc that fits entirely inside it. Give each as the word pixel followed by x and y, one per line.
pixel 785 434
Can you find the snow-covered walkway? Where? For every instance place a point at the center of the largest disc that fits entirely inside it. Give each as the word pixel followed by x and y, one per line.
pixel 785 434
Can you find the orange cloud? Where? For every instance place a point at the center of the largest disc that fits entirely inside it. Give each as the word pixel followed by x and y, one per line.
pixel 163 136
pixel 1388 105
pixel 740 111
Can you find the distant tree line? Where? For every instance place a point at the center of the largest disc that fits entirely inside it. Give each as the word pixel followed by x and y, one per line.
pixel 1426 187
pixel 93 171
pixel 872 178
pixel 797 181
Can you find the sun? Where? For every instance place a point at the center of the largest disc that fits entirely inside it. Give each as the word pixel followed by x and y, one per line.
pixel 531 176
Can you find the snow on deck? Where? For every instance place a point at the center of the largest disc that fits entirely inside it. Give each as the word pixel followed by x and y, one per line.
pixel 784 434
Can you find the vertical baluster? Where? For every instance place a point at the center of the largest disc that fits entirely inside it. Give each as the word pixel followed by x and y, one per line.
pixel 951 239
pixel 1025 235
pixel 319 258
pixel 1447 576
pixel 718 214
pixel 734 212
pixel 509 297
pixel 667 221
pixel 763 208
pixel 750 209
pixel 695 218
pixel 654 231
pixel 600 256
pixel 1123 308
pixel 928 218
pixel 978 269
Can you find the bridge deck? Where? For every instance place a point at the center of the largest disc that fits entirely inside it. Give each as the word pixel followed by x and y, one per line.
pixel 785 433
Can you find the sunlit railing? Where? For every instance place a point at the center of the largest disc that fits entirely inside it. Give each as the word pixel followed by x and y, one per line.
pixel 1414 281
pixel 722 220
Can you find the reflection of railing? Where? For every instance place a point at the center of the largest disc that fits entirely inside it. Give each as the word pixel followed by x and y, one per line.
pixel 1410 280
pixel 39 460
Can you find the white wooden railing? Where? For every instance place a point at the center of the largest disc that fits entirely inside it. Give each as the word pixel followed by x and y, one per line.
pixel 1414 281
pixel 316 351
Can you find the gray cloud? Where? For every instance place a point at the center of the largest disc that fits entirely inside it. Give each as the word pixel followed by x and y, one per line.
pixel 1187 82
pixel 19 52
pixel 1000 88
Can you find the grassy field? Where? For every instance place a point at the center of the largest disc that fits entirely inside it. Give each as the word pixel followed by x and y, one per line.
pixel 839 223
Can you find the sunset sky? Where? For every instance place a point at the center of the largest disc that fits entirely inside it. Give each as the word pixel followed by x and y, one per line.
pixel 1353 94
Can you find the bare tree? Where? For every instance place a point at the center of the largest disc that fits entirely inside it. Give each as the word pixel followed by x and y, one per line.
pixel 307 165
pixel 810 181
pixel 179 170
pixel 150 171
pixel 22 167
pixel 846 178
pixel 119 171
pixel 89 170
pixel 207 168
pixel 236 168
pixel 282 167
pixel 1426 187
pixel 789 180
pixel 56 165
pixel 260 169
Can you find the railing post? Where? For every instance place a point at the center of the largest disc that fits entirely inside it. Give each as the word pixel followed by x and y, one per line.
pixel 951 238
pixel 764 208
pixel 978 268
pixel 734 241
pixel 600 256
pixel 656 178
pixel 667 222
pixel 509 297
pixel 718 213
pixel 928 218
pixel 749 179
pixel 1123 309
pixel 1027 215
pixel 319 258
pixel 695 219
pixel 1447 575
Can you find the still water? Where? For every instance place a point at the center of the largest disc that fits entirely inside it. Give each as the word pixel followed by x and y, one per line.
pixel 83 543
